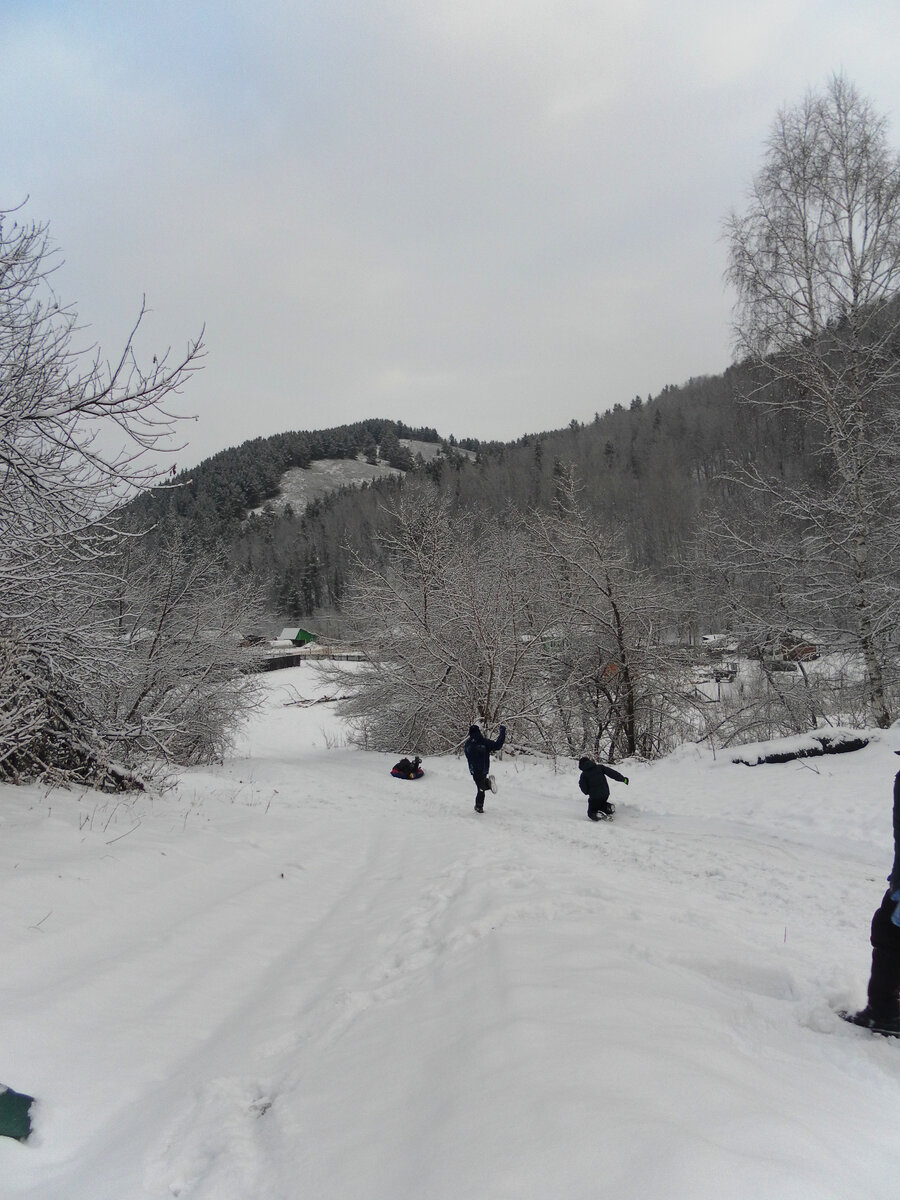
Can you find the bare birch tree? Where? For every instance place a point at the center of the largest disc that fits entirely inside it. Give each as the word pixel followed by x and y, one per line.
pixel 815 260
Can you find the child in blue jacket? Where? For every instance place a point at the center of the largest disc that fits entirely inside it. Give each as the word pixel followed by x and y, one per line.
pixel 478 755
pixel 593 783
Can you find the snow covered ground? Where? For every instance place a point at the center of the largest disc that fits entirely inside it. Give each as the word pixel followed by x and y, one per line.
pixel 296 978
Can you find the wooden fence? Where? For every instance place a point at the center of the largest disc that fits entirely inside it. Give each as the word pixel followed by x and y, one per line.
pixel 282 659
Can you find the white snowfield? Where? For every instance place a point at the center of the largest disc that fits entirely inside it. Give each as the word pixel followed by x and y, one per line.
pixel 297 978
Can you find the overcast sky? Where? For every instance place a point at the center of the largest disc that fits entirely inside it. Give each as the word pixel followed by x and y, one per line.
pixel 488 216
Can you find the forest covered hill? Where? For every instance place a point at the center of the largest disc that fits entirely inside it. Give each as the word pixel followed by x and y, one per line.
pixel 648 470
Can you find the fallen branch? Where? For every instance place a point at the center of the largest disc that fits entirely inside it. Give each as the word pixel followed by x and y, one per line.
pixel 818 744
pixel 318 700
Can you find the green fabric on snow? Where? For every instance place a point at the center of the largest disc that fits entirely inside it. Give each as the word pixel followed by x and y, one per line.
pixel 15 1120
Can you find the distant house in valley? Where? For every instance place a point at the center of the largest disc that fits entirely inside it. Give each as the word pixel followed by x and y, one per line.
pixel 296 636
pixel 796 648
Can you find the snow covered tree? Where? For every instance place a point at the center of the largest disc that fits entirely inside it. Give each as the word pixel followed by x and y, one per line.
pixel 75 431
pixel 77 436
pixel 455 618
pixel 624 690
pixel 815 260
pixel 538 622
pixel 184 683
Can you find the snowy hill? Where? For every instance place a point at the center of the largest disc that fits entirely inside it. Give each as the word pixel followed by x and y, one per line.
pixel 295 978
pixel 300 485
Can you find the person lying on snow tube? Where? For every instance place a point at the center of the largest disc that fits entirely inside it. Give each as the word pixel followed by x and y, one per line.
pixel 405 769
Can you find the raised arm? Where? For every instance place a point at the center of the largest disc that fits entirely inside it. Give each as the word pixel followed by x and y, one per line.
pixel 498 741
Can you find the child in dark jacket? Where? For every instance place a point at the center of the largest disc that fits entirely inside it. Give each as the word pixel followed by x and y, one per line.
pixel 593 784
pixel 408 768
pixel 478 755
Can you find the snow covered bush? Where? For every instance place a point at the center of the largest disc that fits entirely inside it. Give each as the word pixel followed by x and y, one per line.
pixel 185 680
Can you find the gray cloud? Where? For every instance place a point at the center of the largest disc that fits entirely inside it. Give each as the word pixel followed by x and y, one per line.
pixel 489 217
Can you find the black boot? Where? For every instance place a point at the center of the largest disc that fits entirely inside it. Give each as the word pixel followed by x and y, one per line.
pixel 866 1019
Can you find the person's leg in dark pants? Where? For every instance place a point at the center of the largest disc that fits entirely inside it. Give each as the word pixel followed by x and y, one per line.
pixel 481 782
pixel 884 981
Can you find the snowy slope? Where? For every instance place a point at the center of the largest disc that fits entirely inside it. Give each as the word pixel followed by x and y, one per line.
pixel 300 485
pixel 296 978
